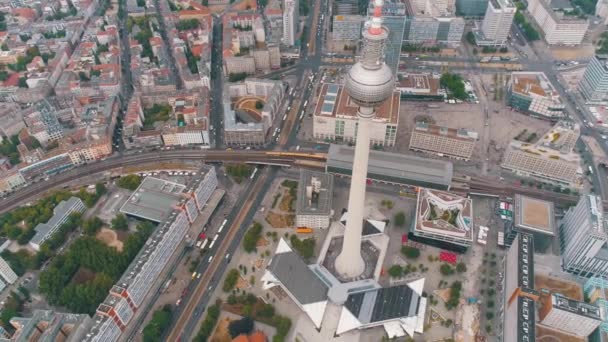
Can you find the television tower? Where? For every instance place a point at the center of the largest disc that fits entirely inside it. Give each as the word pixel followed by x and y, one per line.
pixel 369 83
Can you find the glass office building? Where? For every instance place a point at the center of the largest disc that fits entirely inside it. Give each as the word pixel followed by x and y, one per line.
pixel 471 8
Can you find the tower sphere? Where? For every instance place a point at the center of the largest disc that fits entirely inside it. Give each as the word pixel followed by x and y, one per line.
pixel 369 87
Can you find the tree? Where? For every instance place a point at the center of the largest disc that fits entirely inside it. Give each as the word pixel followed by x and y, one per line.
pixel 259 105
pixel 454 84
pixel 251 237
pixel 446 269
pixel 306 247
pixel 410 252
pixel 461 267
pixel 399 219
pixel 92 226
pixel 120 222
pixel 159 323
pixel 241 326
pixel 23 82
pixel 129 182
pixel 231 279
pixel 236 77
pixel 238 171
pixel 395 271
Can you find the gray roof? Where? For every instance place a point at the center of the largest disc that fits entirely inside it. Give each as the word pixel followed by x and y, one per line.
pixel 320 204
pixel 153 200
pixel 410 169
pixel 384 304
pixel 300 280
pixel 43 229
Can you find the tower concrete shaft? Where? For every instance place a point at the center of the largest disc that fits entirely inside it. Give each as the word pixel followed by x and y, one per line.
pixel 349 263
pixel 368 83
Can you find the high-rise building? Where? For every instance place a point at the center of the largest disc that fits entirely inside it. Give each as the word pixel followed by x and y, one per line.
pixel 443 141
pixel 291 20
pixel 471 8
pixel 594 84
pixel 447 30
pixel 347 27
pixel 496 24
pixel 583 238
pixel 533 93
pixel 558 27
pixel 596 289
pixel 369 83
pixel 393 18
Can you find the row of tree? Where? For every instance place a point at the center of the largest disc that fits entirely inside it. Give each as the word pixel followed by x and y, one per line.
pixel 161 320
pixel 251 237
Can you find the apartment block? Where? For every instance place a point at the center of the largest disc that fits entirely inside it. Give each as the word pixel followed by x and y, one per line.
pixel 61 213
pixel 443 141
pixel 446 30
pixel 47 325
pixel 533 93
pixel 187 135
pixel 11 180
pixel 583 238
pixel 594 84
pixel 558 27
pixel 335 117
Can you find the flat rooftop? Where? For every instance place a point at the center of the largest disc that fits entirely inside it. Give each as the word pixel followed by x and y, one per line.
pixel 154 199
pixel 383 304
pixel 534 214
pixel 335 102
pixel 393 167
pixel 529 83
pixel 459 134
pixel 418 84
pixel 314 199
pixel 544 333
pixel 443 213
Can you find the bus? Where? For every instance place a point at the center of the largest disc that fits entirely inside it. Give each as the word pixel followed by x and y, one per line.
pixel 252 175
pixel 205 242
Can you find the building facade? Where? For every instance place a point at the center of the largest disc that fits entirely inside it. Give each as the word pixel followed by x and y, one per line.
pixel 558 28
pixel 583 238
pixel 347 27
pixel 570 316
pixel 533 93
pixel 291 21
pixel 335 118
pixel 594 84
pixel 434 30
pixel 497 22
pixel 443 141
pixel 7 273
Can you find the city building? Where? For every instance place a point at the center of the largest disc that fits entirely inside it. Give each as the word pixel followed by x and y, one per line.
pixel 11 180
pixel 583 238
pixel 551 159
pixel 393 168
pixel 443 217
pixel 291 21
pixel 443 141
pixel 496 24
pixel 570 316
pixel 532 93
pixel 61 213
pixel 128 295
pixel 345 7
pixel 596 289
pixel 335 117
pixel 315 192
pixel 534 215
pixel 559 27
pixel 47 325
pixel 520 297
pixel 187 135
pixel 7 273
pixel 153 199
pixel 445 30
pixel 420 87
pixel 244 122
pixel 347 27
pixel 594 84
pixel 471 8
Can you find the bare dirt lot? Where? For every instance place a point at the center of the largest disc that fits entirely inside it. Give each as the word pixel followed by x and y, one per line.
pixel 110 238
pixel 221 333
pixel 565 53
pixel 549 335
pixel 555 285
